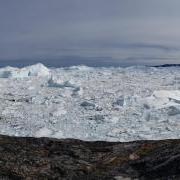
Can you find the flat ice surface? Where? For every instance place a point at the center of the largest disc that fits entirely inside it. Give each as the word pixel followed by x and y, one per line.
pixel 112 104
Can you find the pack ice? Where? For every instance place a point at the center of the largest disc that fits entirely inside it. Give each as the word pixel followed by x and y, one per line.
pixel 112 104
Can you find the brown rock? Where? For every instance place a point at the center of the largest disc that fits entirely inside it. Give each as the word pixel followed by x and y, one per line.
pixel 44 158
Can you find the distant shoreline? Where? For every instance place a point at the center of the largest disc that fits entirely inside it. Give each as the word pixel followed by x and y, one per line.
pixel 167 65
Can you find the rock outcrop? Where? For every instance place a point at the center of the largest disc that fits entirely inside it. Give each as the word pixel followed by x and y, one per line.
pixel 44 158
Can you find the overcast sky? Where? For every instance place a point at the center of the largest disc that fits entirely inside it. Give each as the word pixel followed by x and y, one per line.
pixel 32 28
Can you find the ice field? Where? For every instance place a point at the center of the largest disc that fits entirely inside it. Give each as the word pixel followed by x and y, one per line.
pixel 112 104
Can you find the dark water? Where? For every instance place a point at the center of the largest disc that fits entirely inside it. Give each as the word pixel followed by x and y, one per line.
pixel 100 58
pixel 63 62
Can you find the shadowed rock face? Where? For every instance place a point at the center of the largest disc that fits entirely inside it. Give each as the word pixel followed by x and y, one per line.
pixel 44 158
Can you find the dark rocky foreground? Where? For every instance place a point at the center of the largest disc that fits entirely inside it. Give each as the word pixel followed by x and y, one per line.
pixel 43 158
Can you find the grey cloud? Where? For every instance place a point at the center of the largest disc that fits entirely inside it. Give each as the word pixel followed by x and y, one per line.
pixel 39 28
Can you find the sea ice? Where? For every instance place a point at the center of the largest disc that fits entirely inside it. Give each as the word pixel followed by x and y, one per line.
pixel 114 104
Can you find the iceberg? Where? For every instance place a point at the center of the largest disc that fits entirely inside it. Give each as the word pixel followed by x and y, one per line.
pixel 34 70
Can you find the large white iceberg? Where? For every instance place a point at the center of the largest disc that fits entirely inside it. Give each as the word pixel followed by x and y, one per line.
pixel 34 70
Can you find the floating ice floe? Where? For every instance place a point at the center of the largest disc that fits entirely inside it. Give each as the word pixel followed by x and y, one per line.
pixel 55 82
pixel 43 132
pixel 164 98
